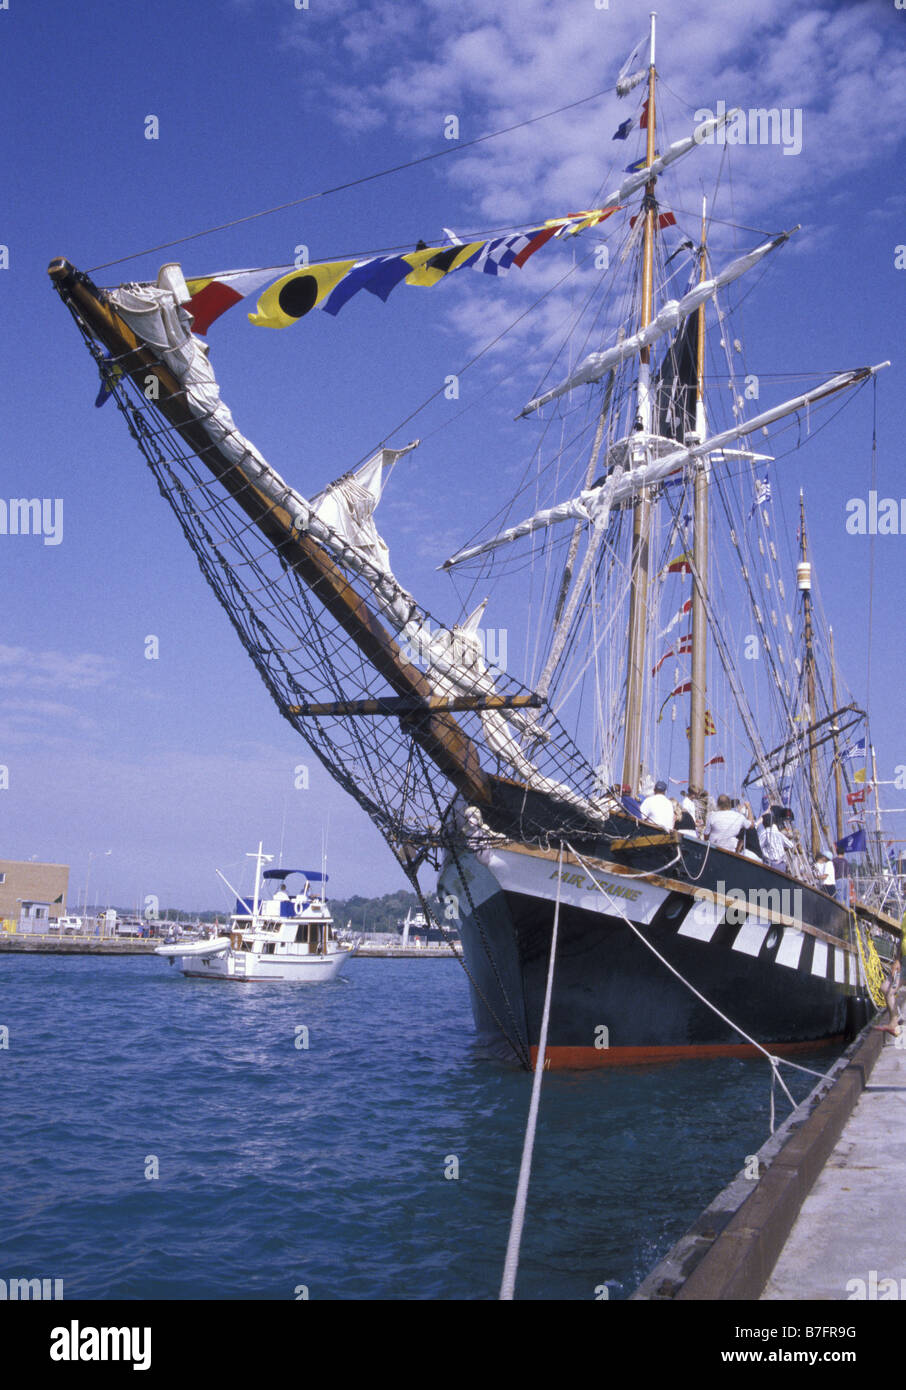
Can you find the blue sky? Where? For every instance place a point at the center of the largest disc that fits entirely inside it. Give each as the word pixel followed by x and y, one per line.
pixel 181 764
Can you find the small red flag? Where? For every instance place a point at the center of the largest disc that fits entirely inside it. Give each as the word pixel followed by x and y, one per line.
pixel 665 219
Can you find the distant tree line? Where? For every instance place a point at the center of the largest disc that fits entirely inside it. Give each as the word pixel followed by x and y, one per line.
pixel 366 914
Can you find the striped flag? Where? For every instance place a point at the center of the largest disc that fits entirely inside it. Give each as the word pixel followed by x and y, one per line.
pixel 762 495
pixel 682 648
pixel 677 617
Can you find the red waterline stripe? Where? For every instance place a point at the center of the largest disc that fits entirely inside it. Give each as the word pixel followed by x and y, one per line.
pixel 584 1058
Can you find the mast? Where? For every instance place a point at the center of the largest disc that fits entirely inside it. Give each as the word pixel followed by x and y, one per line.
pixel 838 772
pixel 874 785
pixel 259 859
pixel 804 581
pixel 641 518
pixel 699 553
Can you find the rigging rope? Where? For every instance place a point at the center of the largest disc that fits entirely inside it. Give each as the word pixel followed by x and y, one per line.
pixel 354 183
pixel 775 1062
pixel 511 1262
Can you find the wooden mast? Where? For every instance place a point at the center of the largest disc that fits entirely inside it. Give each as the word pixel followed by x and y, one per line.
pixel 439 734
pixel 804 580
pixel 874 787
pixel 641 520
pixel 698 694
pixel 838 772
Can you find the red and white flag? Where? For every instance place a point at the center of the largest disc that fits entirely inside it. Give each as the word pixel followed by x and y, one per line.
pixel 678 617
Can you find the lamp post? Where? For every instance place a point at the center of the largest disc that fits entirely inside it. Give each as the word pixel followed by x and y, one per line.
pixel 91 855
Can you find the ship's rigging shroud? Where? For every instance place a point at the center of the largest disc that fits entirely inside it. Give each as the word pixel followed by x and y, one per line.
pixel 303 655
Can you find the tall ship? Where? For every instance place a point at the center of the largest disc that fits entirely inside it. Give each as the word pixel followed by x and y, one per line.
pixel 642 533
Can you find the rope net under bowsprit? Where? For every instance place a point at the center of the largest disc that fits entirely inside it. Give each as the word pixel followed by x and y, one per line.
pixel 306 657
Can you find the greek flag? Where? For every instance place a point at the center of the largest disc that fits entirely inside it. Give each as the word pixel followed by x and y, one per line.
pixel 762 495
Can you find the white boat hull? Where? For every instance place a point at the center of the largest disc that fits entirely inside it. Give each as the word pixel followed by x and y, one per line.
pixel 223 963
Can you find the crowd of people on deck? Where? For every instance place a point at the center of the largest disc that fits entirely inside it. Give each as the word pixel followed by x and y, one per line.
pixel 732 825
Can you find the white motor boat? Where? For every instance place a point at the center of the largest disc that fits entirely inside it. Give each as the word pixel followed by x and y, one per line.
pixel 274 935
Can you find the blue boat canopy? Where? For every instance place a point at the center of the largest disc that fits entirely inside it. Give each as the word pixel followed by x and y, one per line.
pixel 285 873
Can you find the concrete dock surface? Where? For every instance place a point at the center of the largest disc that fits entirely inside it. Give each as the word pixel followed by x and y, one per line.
pixel 849 1239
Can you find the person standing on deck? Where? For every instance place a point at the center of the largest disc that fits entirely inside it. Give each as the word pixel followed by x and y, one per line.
pixel 724 826
pixel 658 807
pixel 825 866
pixel 774 844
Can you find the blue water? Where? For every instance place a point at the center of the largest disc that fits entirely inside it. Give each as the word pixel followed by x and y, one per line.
pixel 325 1167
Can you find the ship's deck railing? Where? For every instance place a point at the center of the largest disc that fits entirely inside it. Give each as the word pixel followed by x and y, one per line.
pixel 885 892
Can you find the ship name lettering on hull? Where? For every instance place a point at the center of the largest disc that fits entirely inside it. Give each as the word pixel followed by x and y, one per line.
pixel 613 890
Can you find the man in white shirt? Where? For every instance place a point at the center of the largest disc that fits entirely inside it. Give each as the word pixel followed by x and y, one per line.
pixel 825 866
pixel 774 844
pixel 724 826
pixel 658 807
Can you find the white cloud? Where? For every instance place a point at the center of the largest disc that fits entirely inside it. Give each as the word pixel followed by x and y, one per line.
pixel 494 64
pixel 39 671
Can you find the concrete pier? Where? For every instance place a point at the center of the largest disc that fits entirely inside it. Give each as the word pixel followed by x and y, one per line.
pixel 731 1251
pixel 25 943
pixel 847 1242
pixel 131 946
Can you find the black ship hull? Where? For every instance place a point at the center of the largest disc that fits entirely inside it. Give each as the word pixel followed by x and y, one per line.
pixel 776 957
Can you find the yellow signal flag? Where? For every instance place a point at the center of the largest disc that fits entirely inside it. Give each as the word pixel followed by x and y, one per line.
pixel 859 776
pixel 445 258
pixel 295 295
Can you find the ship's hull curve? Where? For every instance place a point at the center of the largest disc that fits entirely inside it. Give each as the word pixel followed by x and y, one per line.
pixel 614 1002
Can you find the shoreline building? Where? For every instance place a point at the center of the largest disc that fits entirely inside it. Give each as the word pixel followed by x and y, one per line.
pixel 32 895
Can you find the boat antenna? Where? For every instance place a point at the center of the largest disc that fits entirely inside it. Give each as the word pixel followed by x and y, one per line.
pixel 283 827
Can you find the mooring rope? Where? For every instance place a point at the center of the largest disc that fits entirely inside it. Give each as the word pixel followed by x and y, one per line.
pixel 511 1262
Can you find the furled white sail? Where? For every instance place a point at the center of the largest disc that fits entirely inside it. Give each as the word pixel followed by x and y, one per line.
pixel 591 506
pixel 702 134
pixel 347 506
pixel 669 317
